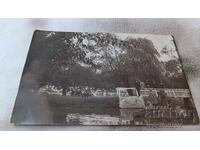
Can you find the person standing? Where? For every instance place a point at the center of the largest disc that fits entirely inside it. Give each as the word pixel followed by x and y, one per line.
pixel 138 86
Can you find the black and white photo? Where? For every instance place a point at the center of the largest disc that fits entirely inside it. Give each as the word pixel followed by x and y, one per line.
pixel 81 78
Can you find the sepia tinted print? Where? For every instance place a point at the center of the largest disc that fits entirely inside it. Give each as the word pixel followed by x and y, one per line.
pixel 80 78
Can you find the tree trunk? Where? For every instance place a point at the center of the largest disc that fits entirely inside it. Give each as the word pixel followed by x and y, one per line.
pixel 64 91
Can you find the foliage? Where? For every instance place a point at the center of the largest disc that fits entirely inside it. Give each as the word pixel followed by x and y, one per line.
pixel 99 60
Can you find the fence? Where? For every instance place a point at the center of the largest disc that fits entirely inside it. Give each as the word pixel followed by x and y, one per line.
pixel 170 92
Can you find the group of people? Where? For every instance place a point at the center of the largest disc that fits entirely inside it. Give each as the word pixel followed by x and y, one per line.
pixel 84 93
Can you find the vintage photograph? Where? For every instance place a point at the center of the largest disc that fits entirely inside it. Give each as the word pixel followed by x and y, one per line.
pixel 81 78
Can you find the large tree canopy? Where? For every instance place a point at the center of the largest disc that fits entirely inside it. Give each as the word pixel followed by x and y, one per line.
pixel 94 59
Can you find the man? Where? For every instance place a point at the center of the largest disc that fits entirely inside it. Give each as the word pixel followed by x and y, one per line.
pixel 137 85
pixel 163 100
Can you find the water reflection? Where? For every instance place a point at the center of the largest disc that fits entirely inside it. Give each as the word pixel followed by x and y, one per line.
pixel 95 119
pixel 147 116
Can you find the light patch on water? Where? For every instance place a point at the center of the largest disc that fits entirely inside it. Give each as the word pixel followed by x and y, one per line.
pixel 95 119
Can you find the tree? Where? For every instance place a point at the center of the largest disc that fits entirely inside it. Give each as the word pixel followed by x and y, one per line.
pixel 130 60
pixel 56 53
pixel 65 55
pixel 174 75
pixel 92 59
pixel 141 62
